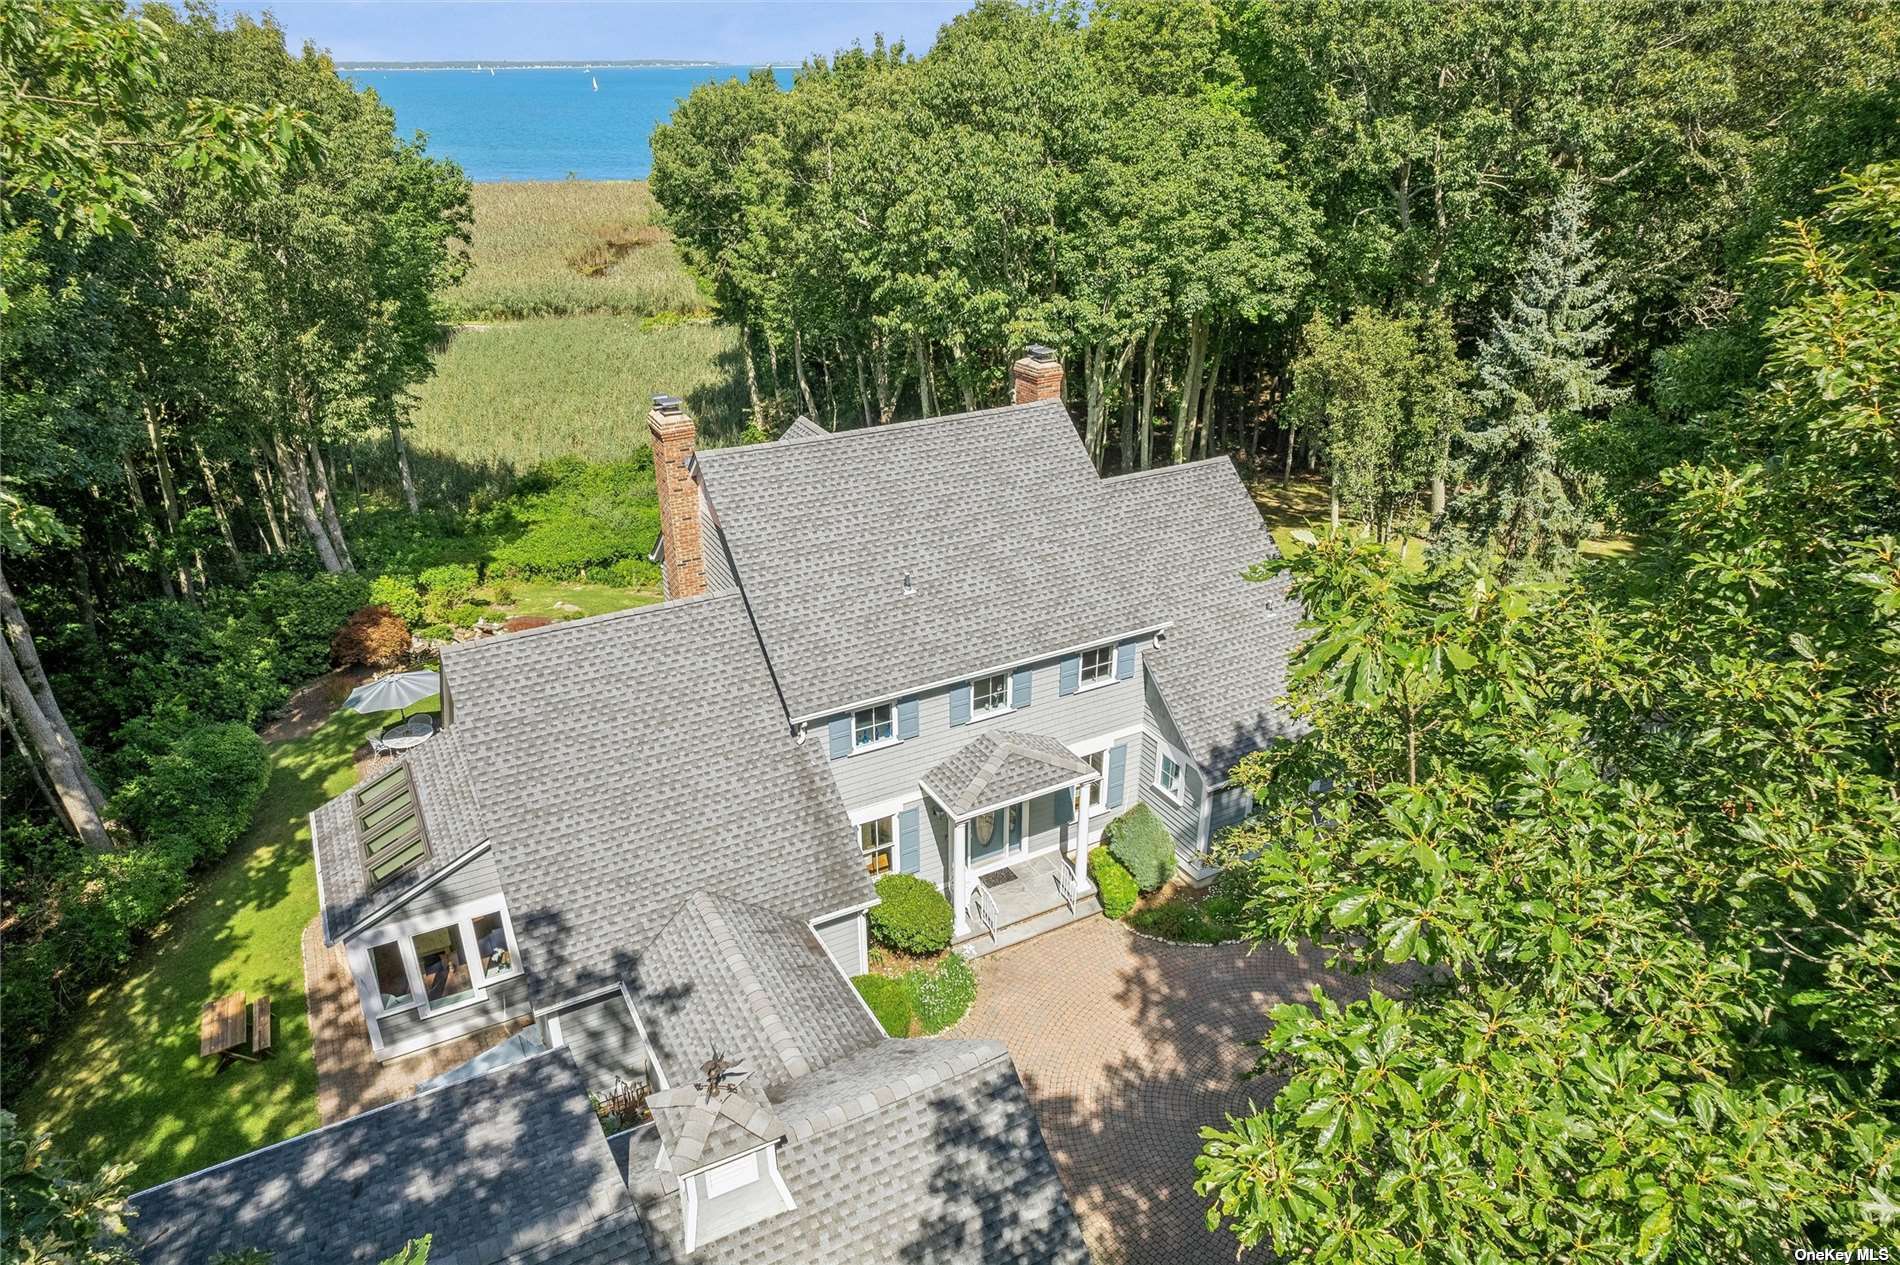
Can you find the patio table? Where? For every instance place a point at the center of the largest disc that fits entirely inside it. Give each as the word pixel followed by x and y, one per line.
pixel 221 1028
pixel 410 733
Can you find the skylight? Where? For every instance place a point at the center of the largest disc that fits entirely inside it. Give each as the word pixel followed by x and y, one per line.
pixel 390 826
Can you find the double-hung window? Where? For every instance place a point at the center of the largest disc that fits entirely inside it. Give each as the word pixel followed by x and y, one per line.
pixel 1098 665
pixel 1169 776
pixel 877 839
pixel 1090 793
pixel 872 726
pixel 989 695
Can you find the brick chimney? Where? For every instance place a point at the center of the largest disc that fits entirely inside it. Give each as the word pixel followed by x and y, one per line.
pixel 1038 375
pixel 674 438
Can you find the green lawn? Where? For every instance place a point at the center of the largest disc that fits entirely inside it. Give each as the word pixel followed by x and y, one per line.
pixel 125 1084
pixel 537 597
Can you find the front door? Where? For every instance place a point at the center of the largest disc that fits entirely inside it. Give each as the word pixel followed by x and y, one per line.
pixel 996 836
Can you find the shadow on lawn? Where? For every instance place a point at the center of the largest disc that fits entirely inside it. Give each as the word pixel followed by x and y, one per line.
pixel 126 1084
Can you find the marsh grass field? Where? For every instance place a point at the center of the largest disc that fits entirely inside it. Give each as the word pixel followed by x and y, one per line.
pixel 568 248
pixel 576 311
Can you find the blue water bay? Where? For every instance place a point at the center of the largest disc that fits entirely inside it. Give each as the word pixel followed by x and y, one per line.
pixel 516 123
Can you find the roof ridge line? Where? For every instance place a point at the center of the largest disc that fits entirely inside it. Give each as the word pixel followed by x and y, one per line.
pixel 891 428
pixel 1176 468
pixel 818 1118
pixel 777 1031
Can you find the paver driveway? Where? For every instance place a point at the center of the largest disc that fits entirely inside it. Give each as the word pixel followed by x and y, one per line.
pixel 1128 1046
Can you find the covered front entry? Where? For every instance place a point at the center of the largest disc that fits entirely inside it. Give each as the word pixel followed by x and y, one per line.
pixel 1011 803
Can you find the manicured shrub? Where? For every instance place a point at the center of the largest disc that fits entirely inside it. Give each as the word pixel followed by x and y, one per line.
pixel 453 581
pixel 889 1001
pixel 939 997
pixel 466 615
pixel 188 788
pixel 400 594
pixel 1140 842
pixel 374 635
pixel 436 632
pixel 303 612
pixel 1115 885
pixel 631 573
pixel 911 916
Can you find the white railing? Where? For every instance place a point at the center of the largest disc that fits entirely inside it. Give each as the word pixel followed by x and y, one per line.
pixel 1066 886
pixel 983 905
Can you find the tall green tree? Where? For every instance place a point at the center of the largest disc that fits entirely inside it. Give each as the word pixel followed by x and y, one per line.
pixel 1643 831
pixel 1538 373
pixel 1383 393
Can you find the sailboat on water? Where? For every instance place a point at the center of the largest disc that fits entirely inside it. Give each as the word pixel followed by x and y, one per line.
pixel 596 85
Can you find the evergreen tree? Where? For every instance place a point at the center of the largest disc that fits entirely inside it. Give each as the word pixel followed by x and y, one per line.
pixel 1538 373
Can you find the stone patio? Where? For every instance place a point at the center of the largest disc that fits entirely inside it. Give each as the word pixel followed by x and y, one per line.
pixel 1128 1047
pixel 349 1079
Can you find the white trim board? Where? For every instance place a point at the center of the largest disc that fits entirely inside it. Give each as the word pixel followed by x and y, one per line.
pixel 987 670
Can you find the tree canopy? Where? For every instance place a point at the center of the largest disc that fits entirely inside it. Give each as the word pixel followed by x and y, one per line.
pixel 1639 836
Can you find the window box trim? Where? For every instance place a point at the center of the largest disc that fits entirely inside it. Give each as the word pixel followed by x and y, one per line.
pixel 1168 751
pixel 978 715
pixel 402 932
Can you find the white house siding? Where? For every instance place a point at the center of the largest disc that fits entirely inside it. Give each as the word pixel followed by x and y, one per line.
pixel 843 939
pixel 893 772
pixel 410 1031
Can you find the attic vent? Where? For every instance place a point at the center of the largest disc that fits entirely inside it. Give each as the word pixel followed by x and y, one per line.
pixel 390 826
pixel 667 404
pixel 909 588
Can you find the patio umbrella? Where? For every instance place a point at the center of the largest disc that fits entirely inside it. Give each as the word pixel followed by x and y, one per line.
pixel 400 691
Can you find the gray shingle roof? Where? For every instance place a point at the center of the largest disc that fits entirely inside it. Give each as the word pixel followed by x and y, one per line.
pixel 700 1131
pixel 451 814
pixel 629 760
pixel 1000 768
pixel 997 517
pixel 753 983
pixel 917 1151
pixel 510 1166
pixel 1221 667
pixel 802 430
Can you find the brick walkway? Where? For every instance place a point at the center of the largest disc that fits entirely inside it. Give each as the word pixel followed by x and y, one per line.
pixel 1128 1046
pixel 349 1079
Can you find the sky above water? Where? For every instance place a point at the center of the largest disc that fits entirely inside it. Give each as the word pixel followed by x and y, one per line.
pixel 761 31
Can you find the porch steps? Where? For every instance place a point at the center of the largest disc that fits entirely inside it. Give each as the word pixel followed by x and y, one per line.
pixel 979 943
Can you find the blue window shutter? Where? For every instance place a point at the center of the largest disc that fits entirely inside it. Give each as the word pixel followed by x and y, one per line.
pixel 909 829
pixel 1117 775
pixel 1071 675
pixel 1019 687
pixel 907 718
pixel 840 737
pixel 1124 660
pixel 1065 808
pixel 960 704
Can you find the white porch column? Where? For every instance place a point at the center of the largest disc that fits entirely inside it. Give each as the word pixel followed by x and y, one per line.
pixel 1081 878
pixel 959 898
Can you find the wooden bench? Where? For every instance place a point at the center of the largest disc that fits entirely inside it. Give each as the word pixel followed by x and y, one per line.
pixel 260 1027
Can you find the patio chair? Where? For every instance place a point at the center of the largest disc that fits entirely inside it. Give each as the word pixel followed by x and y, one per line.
pixel 378 747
